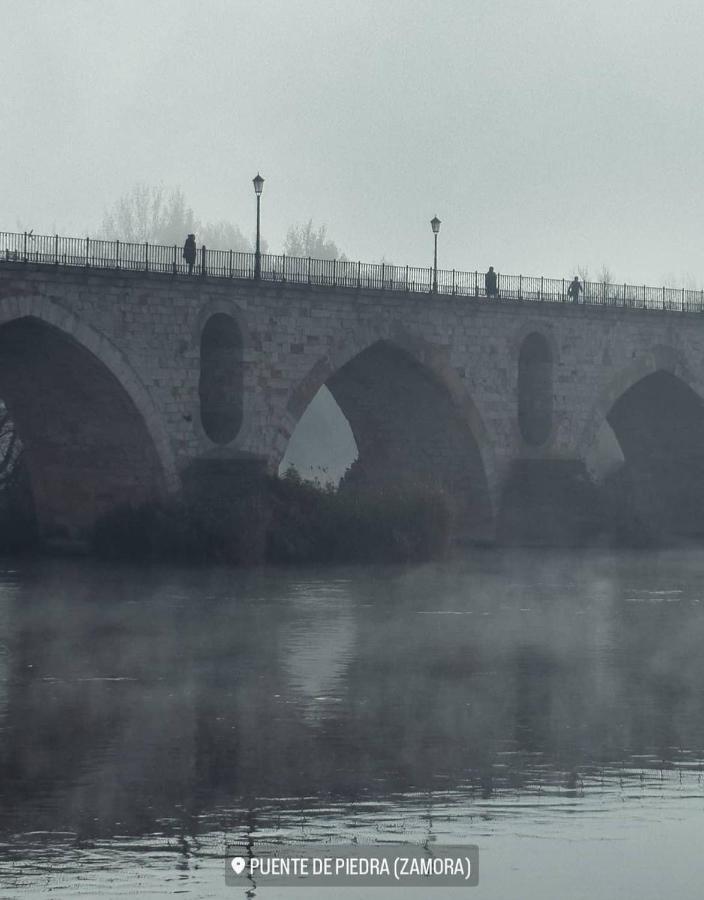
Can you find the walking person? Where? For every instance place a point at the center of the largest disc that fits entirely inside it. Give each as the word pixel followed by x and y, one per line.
pixel 574 290
pixel 189 252
pixel 490 283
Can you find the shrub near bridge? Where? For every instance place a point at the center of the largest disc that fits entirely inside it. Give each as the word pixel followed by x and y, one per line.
pixel 300 522
pixel 357 524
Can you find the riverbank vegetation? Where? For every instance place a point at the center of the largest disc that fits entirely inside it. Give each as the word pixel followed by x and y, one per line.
pixel 283 520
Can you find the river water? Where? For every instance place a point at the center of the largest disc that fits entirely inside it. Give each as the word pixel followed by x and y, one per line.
pixel 548 707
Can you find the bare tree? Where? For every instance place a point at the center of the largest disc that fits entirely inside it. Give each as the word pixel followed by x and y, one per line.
pixel 149 214
pixel 605 275
pixel 306 240
pixel 163 216
pixel 10 448
pixel 686 280
pixel 225 236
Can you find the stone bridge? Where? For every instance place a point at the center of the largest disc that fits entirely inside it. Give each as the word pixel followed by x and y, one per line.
pixel 120 382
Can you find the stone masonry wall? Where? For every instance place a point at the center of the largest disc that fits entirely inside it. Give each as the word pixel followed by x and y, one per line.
pixel 146 329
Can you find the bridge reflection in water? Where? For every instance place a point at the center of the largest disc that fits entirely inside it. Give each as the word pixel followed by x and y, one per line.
pixel 148 710
pixel 130 699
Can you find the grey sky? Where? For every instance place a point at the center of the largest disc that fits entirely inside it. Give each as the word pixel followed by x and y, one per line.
pixel 545 135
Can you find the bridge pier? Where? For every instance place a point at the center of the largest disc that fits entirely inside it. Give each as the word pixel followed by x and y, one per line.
pixel 229 489
pixel 549 502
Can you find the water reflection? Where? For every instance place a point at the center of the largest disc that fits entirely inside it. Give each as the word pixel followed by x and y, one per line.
pixel 318 645
pixel 136 703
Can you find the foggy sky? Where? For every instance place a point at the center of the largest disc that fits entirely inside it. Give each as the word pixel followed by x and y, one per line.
pixel 545 135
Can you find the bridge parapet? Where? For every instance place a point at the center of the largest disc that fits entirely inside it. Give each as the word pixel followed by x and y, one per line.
pixel 55 250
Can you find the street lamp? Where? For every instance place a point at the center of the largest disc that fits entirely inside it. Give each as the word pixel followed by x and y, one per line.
pixel 435 225
pixel 258 183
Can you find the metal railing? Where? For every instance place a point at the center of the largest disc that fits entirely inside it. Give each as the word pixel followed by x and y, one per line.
pixel 54 250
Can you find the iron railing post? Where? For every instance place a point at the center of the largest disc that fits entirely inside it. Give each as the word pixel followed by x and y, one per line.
pixel 257 250
pixel 56 249
pixel 146 256
pixel 540 296
pixel 202 260
pixel 87 252
pixel 359 274
pixel 454 291
pixel 520 287
pixel 406 279
pixel 435 265
pixel 175 252
pixel 25 247
pixel 309 270
pixel 117 254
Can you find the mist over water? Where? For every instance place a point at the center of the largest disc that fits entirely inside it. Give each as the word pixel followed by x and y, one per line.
pixel 146 715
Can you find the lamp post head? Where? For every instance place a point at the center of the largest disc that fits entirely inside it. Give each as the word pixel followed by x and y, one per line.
pixel 258 183
pixel 435 224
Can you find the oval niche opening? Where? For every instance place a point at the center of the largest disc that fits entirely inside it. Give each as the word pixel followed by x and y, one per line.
pixel 220 385
pixel 535 390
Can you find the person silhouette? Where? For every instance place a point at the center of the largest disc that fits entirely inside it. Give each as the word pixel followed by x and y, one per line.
pixel 189 252
pixel 574 290
pixel 490 283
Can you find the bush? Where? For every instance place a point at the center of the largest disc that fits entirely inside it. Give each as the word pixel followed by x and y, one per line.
pixel 286 521
pixel 151 531
pixel 313 524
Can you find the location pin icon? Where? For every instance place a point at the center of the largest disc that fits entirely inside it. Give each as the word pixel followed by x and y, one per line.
pixel 238 864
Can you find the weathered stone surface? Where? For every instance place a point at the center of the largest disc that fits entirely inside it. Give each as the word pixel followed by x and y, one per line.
pixel 102 371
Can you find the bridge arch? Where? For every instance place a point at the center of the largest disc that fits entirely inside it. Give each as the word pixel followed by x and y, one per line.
pixel 92 435
pixel 660 358
pixel 412 420
pixel 655 411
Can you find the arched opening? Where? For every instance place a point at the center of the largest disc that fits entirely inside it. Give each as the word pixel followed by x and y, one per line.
pixel 604 457
pixel 322 447
pixel 86 446
pixel 535 390
pixel 221 378
pixel 659 425
pixel 408 430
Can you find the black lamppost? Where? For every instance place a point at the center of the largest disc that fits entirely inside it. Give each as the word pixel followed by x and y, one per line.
pixel 258 183
pixel 435 225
